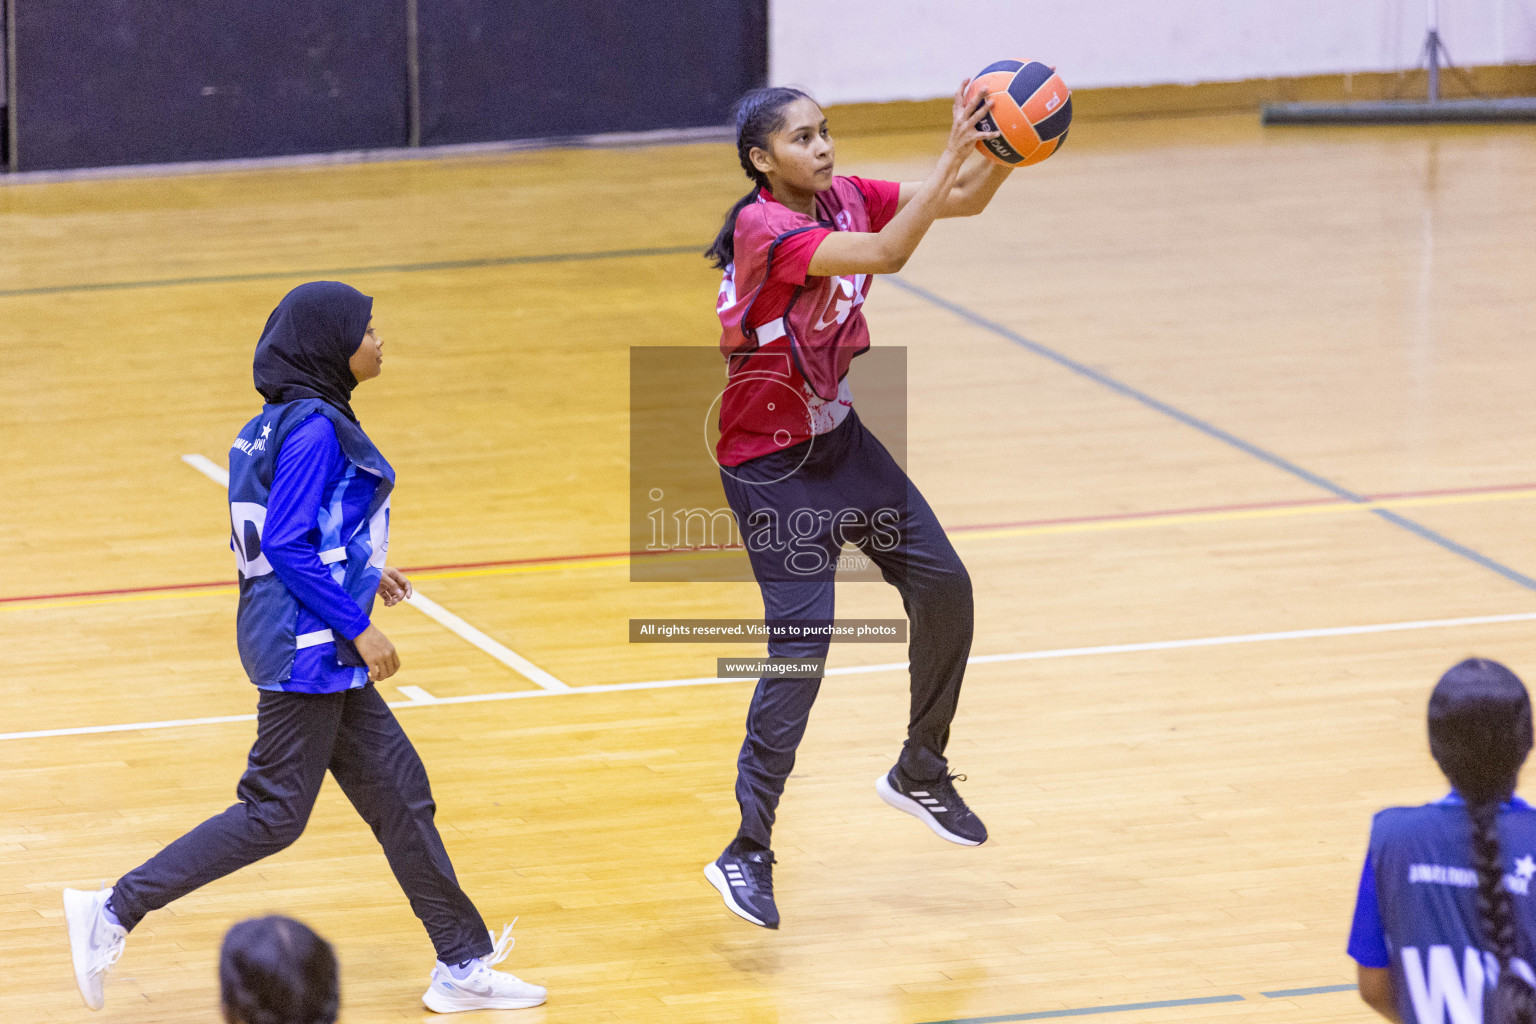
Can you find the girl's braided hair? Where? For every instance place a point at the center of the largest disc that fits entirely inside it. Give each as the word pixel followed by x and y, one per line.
pixel 758 114
pixel 275 970
pixel 1480 734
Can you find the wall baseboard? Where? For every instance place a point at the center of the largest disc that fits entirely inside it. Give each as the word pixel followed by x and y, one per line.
pixel 458 150
pixel 1208 97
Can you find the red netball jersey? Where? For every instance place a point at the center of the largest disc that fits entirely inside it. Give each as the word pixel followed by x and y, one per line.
pixel 788 338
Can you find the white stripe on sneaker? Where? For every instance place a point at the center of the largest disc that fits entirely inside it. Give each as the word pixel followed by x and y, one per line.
pixel 922 809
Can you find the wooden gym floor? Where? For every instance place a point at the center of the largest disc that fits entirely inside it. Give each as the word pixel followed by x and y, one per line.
pixel 1191 380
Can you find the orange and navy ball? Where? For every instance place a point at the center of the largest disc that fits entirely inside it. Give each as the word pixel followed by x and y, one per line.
pixel 1031 106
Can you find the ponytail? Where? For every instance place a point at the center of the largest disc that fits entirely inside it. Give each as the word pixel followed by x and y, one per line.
pixel 1480 733
pixel 758 115
pixel 1514 1002
pixel 722 252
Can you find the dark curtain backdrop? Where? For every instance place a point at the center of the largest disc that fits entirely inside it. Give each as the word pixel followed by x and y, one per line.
pixel 105 82
pixel 148 81
pixel 492 69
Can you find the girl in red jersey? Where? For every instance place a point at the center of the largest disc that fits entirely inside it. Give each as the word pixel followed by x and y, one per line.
pixel 804 476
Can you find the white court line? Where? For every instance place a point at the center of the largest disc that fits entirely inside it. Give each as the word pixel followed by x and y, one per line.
pixel 210 469
pixel 982 659
pixel 508 657
pixel 417 695
pixel 91 730
pixel 1215 641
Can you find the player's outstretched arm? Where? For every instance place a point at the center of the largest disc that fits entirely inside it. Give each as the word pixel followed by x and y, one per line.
pixel 887 250
pixel 974 188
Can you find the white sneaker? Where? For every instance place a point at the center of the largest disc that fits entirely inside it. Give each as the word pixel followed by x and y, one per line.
pixel 484 989
pixel 94 942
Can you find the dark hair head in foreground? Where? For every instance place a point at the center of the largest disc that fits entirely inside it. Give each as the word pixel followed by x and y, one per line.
pixel 275 970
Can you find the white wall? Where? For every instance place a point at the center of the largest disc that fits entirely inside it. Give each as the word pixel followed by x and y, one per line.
pixel 848 51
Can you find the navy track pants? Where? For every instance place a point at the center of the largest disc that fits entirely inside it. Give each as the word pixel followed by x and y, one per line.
pixel 795 509
pixel 298 737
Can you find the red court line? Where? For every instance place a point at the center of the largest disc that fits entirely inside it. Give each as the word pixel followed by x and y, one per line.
pixel 212 584
pixel 545 560
pixel 1297 503
pixel 121 590
pixel 556 559
pixel 1121 516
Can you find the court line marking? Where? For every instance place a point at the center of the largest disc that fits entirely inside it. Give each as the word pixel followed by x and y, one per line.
pixel 331 273
pixel 428 607
pixel 1213 431
pixel 171 592
pixel 1085 1011
pixel 210 469
pixel 416 695
pixel 1023 528
pixel 1315 990
pixel 508 657
pixel 1279 511
pixel 1160 1004
pixel 848 670
pixel 1453 495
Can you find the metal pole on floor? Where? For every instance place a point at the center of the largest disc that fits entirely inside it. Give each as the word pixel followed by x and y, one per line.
pixel 1432 50
pixel 1431 110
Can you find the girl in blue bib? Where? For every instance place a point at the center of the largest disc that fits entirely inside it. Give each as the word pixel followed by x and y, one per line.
pixel 309 515
pixel 1445 927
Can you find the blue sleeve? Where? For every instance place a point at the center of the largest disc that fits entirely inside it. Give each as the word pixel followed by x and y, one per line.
pixel 310 456
pixel 1367 937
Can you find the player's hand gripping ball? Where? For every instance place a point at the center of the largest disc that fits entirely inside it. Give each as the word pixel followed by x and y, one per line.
pixel 1031 106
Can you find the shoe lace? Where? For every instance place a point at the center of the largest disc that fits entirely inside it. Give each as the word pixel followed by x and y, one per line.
pixel 112 953
pixel 109 956
pixel 759 868
pixel 952 799
pixel 502 948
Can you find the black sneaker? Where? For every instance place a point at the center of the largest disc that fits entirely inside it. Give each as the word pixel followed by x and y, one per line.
pixel 935 803
pixel 745 881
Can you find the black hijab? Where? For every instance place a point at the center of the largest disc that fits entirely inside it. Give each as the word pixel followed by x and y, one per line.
pixel 309 338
